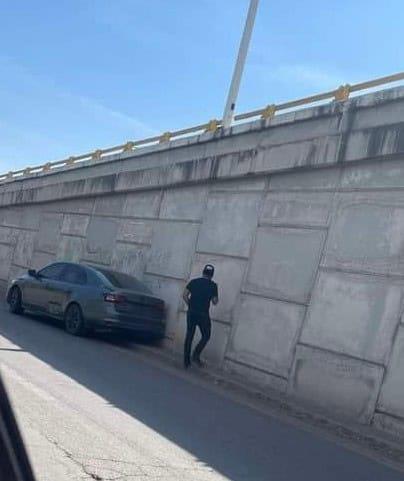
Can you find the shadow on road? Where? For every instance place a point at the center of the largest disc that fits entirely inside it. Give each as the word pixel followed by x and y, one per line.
pixel 233 439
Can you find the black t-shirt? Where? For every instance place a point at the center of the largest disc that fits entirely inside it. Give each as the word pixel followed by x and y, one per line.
pixel 202 291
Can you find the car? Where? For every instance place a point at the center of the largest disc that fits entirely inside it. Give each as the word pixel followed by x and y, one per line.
pixel 87 298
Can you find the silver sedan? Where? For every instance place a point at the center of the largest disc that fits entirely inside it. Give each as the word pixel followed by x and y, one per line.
pixel 88 298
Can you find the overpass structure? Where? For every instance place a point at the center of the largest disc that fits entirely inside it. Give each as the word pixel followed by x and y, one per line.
pixel 302 213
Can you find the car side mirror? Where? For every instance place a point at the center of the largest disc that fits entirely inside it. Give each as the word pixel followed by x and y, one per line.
pixel 32 273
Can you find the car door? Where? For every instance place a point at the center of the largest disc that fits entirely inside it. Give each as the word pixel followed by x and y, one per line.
pixel 34 290
pixel 64 288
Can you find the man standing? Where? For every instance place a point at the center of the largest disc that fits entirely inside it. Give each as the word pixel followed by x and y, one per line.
pixel 198 295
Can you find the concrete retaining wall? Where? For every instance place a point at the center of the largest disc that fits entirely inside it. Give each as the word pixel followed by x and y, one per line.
pixel 303 217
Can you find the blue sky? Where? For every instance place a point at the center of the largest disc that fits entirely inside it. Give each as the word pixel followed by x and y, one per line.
pixel 78 75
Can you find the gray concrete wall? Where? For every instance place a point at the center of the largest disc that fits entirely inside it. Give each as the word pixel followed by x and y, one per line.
pixel 303 217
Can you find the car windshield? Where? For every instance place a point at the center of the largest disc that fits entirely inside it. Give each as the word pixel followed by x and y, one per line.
pixel 124 281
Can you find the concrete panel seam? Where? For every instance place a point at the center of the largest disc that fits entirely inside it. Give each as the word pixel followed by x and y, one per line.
pixel 254 368
pixel 272 298
pixel 165 276
pixel 299 141
pixel 126 242
pixel 160 201
pixel 120 217
pixel 224 323
pixel 332 211
pixel 64 234
pixel 235 191
pixel 341 354
pixel 18 265
pixel 374 158
pixel 27 229
pixel 267 183
pixel 128 217
pixel 285 225
pixel 395 416
pixel 369 189
pixel 230 256
pixel 346 118
pixel 94 206
pixel 325 268
pixel 125 217
pixel 41 251
pixel 181 221
pixel 6 244
pixel 92 263
pixel 200 222
pixel 302 190
pixel 65 212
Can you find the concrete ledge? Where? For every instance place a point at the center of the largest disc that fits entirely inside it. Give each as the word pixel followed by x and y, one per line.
pixel 362 128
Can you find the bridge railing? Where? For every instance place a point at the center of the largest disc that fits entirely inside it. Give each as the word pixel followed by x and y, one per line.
pixel 342 93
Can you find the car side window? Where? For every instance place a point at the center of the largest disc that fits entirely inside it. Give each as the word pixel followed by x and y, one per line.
pixel 52 271
pixel 93 279
pixel 74 275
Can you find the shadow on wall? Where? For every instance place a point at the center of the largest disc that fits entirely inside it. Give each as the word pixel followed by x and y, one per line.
pixel 234 440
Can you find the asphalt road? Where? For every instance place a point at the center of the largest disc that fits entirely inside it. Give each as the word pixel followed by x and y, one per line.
pixel 90 409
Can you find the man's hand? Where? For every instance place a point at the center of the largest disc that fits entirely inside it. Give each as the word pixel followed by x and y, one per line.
pixel 215 300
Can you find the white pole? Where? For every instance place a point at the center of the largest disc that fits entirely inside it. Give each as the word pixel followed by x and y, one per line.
pixel 239 67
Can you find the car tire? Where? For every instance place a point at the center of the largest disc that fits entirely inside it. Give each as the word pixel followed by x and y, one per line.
pixel 15 301
pixel 74 320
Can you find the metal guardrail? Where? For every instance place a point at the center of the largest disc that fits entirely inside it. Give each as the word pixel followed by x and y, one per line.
pixel 342 93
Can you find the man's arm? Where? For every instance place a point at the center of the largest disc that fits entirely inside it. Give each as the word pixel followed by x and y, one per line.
pixel 186 296
pixel 215 298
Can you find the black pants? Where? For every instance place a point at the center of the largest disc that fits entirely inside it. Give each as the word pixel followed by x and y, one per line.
pixel 203 322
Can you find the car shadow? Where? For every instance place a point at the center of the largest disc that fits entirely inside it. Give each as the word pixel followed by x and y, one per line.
pixel 118 338
pixel 232 439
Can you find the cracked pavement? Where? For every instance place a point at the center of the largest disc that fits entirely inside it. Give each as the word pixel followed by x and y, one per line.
pixel 94 410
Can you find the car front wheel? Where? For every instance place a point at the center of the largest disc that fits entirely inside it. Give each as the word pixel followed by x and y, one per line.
pixel 74 321
pixel 15 301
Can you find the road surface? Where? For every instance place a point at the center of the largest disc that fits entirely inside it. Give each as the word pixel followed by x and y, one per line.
pixel 89 409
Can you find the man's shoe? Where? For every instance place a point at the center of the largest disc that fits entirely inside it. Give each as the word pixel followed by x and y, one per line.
pixel 198 362
pixel 187 364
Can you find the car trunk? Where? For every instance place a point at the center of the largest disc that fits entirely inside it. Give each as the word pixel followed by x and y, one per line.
pixel 140 305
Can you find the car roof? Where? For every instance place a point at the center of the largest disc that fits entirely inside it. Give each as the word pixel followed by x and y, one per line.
pixel 78 264
pixel 93 268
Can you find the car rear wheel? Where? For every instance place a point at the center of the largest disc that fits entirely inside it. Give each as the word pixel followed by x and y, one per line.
pixel 15 301
pixel 74 321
